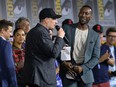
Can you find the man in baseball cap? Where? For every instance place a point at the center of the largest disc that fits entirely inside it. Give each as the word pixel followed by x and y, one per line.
pixel 39 68
pixel 48 13
pixel 98 28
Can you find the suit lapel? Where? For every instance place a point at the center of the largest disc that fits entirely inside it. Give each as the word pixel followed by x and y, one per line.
pixel 73 37
pixel 88 38
pixel 73 34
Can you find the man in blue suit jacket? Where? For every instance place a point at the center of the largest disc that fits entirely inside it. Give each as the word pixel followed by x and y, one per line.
pixel 7 68
pixel 85 51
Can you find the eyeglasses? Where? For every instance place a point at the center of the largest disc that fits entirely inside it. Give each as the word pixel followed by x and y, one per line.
pixel 111 36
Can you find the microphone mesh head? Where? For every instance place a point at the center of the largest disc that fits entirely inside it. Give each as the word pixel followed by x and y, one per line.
pixel 57 27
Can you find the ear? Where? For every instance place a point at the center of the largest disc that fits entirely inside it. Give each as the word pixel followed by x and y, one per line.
pixel 46 19
pixel 2 31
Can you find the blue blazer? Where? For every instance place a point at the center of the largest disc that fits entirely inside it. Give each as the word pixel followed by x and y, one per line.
pixel 7 68
pixel 92 50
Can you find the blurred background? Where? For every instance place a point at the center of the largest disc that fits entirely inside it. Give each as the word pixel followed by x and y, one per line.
pixel 104 12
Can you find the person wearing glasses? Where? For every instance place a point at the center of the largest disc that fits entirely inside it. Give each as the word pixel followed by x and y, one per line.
pixel 100 71
pixel 110 41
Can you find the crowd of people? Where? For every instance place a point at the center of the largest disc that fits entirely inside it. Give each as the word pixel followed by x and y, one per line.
pixel 33 59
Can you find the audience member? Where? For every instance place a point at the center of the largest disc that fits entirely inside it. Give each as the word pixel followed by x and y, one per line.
pixel 85 51
pixel 112 73
pixel 58 79
pixel 23 23
pixel 67 21
pixel 100 71
pixel 110 41
pixel 39 69
pixel 18 52
pixel 7 68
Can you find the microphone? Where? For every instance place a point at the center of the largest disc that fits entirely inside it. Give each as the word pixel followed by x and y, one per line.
pixel 65 38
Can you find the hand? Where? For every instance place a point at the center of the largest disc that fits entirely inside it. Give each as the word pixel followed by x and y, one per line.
pixel 72 73
pixel 110 73
pixel 57 70
pixel 68 65
pixel 78 69
pixel 61 33
pixel 104 57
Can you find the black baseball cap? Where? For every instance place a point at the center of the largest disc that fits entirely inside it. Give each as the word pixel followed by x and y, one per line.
pixel 67 21
pixel 48 13
pixel 98 28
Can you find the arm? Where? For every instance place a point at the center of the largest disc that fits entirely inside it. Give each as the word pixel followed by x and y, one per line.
pixel 9 65
pixel 94 55
pixel 106 55
pixel 111 61
pixel 47 46
pixel 113 73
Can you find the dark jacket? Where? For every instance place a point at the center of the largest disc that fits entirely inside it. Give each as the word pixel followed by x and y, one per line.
pixel 39 66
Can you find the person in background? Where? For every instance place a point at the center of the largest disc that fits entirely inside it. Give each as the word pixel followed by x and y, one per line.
pixel 67 21
pixel 23 23
pixel 110 41
pixel 112 73
pixel 7 67
pixel 58 79
pixel 18 52
pixel 85 51
pixel 66 7
pixel 39 69
pixel 100 71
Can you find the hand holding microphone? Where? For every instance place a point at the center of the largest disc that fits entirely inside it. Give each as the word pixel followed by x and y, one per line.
pixel 61 34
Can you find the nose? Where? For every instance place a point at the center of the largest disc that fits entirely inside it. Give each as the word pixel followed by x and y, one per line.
pixel 83 14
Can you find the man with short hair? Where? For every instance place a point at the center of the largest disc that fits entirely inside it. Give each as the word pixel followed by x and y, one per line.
pixel 100 71
pixel 111 41
pixel 23 23
pixel 7 67
pixel 85 51
pixel 39 67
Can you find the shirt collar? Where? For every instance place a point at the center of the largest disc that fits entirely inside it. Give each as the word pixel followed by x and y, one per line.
pixel 2 37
